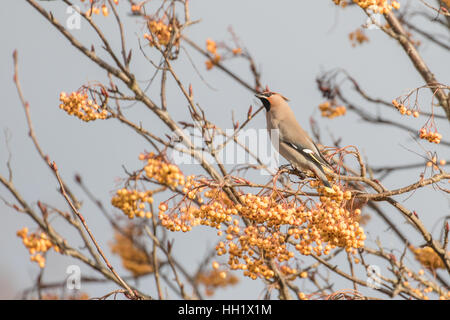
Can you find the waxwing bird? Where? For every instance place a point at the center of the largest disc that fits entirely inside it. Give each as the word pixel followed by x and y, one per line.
pixel 295 145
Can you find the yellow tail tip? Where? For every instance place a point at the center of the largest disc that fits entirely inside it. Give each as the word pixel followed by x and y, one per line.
pixel 328 170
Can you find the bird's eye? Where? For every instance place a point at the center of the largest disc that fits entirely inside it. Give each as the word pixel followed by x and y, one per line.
pixel 267 94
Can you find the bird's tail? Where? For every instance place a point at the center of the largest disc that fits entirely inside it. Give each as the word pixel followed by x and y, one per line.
pixel 321 174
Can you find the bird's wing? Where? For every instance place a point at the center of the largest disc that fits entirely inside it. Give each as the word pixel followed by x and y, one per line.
pixel 307 148
pixel 292 134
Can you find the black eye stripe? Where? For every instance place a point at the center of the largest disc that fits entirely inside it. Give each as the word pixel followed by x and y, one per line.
pixel 267 94
pixel 266 104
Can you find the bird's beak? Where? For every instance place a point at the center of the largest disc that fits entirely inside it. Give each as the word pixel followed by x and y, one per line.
pixel 264 100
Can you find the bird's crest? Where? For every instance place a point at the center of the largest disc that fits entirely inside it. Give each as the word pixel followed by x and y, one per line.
pixel 268 93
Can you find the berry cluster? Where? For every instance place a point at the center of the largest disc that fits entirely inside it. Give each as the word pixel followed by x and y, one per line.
pixel 193 189
pixel 236 51
pixel 342 3
pixel 358 37
pixel 37 244
pixel 273 226
pixel 435 164
pixel 163 172
pixel 251 245
pixel 133 202
pixel 213 214
pixel 78 104
pixel 182 222
pixel 430 136
pixel 94 8
pixel 416 284
pixel 329 109
pixel 134 258
pixel 215 279
pixel 378 6
pixel 54 296
pixel 403 110
pixel 163 32
pixel 428 258
pixel 211 47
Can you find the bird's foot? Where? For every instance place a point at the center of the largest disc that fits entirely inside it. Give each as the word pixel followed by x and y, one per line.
pixel 301 175
pixel 283 167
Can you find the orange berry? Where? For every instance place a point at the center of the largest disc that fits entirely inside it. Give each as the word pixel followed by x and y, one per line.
pixel 105 10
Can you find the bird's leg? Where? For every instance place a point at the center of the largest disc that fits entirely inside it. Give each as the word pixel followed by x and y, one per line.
pixel 292 170
pixel 298 173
